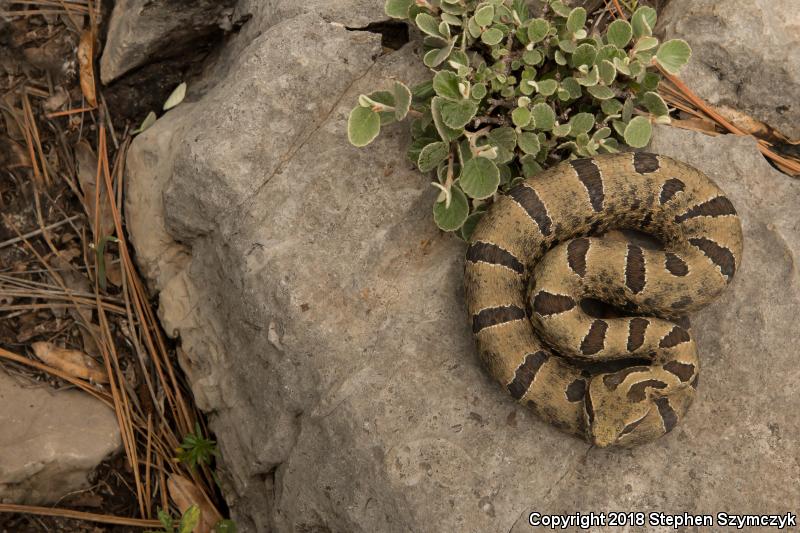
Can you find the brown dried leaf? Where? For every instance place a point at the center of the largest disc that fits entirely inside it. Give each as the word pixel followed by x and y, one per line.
pixel 72 362
pixel 86 64
pixel 56 100
pixel 185 494
pixel 696 124
pixel 113 270
pixel 86 499
pixel 89 335
pixel 12 124
pixel 87 177
pixel 12 155
pixel 748 124
pixel 76 281
pixel 47 328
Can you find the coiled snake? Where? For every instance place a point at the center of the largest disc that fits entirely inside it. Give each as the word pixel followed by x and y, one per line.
pixel 535 258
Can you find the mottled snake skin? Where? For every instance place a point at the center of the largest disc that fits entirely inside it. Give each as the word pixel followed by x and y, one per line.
pixel 545 248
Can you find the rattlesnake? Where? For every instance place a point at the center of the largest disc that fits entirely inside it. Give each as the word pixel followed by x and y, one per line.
pixel 544 248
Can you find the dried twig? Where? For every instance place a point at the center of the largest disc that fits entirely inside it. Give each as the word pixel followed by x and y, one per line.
pixel 34 233
pixel 77 515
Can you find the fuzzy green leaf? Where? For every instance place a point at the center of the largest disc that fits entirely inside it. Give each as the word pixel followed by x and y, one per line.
pixel 637 68
pixel 402 99
pixel 655 104
pixel 559 8
pixel 445 132
pixel 619 33
pixel 607 71
pixel 622 66
pixel 602 133
pixel 428 24
pixel 562 130
pixel 611 107
pixel 504 137
pixel 387 98
pixel 422 92
pixel 601 92
pixel 480 178
pixel 651 81
pixel 437 56
pixel 473 28
pixel 544 118
pixel 576 19
pixel 397 9
pixel 637 132
pixel 432 155
pixel 530 167
pixel 593 78
pixel 470 224
pixel 538 30
pixel 445 83
pixel 585 54
pixel 363 126
pixel 444 30
pixel 451 19
pixel 452 7
pixel 532 57
pixel 492 36
pixel 453 217
pixel 627 110
pixel 581 123
pixel 645 43
pixel 456 115
pixel 610 145
pixel 643 21
pixel 521 117
pixel 673 55
pixel 529 143
pixel 547 87
pixel 608 52
pixel 572 86
pixel 484 15
pixel 479 91
pixel 567 46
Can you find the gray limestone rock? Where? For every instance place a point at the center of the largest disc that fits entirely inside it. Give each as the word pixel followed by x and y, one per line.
pixel 50 440
pixel 140 31
pixel 322 320
pixel 746 55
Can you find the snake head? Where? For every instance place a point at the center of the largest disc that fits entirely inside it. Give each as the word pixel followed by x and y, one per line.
pixel 633 410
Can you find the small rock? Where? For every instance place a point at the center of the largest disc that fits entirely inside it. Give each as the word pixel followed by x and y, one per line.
pixel 50 440
pixel 745 55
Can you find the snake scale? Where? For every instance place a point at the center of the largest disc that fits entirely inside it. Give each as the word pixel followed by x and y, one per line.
pixel 552 244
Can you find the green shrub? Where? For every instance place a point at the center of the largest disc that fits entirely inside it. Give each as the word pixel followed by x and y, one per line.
pixel 512 94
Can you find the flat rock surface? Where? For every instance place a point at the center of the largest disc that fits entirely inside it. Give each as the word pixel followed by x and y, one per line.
pixel 50 440
pixel 746 55
pixel 323 324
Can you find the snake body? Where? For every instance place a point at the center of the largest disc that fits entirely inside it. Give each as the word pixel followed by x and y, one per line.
pixel 549 246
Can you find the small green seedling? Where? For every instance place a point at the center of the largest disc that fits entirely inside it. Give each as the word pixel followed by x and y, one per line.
pixel 197 449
